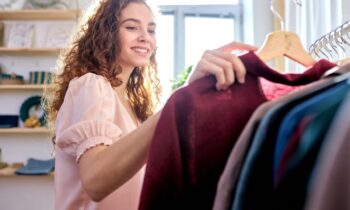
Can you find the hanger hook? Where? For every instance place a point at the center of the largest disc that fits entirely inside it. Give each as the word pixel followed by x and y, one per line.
pixel 276 14
pixel 316 53
pixel 321 47
pixel 331 40
pixel 342 35
pixel 312 48
pixel 325 45
pixel 336 39
pixel 318 48
pixel 344 26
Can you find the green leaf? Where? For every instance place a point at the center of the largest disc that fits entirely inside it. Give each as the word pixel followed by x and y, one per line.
pixel 181 78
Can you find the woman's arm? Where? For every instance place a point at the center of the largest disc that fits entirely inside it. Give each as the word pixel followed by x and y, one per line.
pixel 105 168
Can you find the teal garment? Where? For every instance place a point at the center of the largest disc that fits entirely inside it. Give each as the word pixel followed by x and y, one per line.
pixel 294 117
pixel 290 193
pixel 314 131
pixel 309 109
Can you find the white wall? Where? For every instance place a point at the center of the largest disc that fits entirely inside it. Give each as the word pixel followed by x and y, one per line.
pixel 346 10
pixel 257 21
pixel 83 4
pixel 27 193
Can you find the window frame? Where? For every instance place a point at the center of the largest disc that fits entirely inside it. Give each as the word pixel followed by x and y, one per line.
pixel 180 12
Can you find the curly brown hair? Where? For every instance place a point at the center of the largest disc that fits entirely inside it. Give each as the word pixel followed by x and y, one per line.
pixel 96 49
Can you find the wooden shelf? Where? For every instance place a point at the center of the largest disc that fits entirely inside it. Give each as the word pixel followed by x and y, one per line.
pixel 29 51
pixel 10 172
pixel 24 131
pixel 40 14
pixel 24 87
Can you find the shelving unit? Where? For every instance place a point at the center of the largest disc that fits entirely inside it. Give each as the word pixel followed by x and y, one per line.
pixel 20 144
pixel 23 87
pixel 10 172
pixel 47 14
pixel 29 51
pixel 24 131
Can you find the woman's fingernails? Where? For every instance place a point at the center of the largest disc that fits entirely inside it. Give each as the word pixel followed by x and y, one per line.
pixel 241 80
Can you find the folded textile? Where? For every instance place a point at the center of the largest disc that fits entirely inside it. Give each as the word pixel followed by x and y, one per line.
pixel 8 121
pixel 37 167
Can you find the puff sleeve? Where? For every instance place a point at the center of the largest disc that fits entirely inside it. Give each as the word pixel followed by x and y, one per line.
pixel 86 117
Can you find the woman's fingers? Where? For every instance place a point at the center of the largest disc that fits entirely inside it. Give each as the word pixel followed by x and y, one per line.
pixel 239 69
pixel 205 67
pixel 237 66
pixel 226 68
pixel 220 62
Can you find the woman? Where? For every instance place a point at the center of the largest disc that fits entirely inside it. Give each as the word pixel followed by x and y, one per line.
pixel 103 102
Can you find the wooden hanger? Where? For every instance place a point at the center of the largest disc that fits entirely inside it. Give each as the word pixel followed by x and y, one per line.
pixel 344 61
pixel 284 43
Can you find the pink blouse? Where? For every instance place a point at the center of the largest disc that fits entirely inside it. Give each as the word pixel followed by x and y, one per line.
pixel 90 115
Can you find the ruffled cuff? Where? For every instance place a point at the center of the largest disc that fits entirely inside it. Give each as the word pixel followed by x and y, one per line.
pixel 82 136
pixel 90 143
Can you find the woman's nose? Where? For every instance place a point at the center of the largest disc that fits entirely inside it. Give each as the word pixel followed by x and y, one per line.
pixel 143 36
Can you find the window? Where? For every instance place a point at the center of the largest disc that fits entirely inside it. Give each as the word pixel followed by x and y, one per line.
pixel 206 33
pixel 188 27
pixel 165 50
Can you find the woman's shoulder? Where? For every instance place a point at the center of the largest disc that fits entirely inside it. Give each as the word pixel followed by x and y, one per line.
pixel 89 79
pixel 90 82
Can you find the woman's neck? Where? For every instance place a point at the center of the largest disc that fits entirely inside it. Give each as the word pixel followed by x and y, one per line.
pixel 124 77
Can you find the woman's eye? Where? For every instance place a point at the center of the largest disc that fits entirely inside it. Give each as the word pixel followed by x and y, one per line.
pixel 152 31
pixel 131 28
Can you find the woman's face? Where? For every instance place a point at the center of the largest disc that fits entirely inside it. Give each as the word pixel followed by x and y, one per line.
pixel 137 35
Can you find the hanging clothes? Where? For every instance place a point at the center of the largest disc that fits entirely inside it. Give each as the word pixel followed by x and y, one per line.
pixel 329 188
pixel 255 184
pixel 197 130
pixel 255 188
pixel 229 177
pixel 299 164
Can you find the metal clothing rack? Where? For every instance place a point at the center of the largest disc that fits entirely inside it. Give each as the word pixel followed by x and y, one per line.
pixel 334 45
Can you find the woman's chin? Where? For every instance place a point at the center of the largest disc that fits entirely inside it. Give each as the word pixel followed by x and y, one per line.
pixel 141 64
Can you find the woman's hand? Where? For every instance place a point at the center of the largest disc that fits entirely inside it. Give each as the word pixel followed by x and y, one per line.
pixel 220 62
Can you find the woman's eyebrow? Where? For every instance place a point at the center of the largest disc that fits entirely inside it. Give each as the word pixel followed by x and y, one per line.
pixel 136 21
